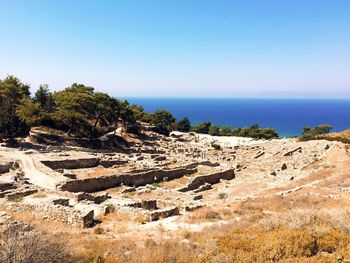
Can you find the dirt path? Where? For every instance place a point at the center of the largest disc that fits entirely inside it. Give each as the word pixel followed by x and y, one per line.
pixel 31 169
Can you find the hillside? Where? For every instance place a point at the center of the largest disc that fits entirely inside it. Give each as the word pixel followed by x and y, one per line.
pixel 185 198
pixel 343 134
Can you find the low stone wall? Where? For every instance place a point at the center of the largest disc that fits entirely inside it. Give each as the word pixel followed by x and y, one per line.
pixel 7 186
pixel 204 163
pixel 110 163
pixel 163 213
pixel 131 179
pixel 145 204
pixel 13 196
pixel 81 163
pixel 209 179
pixel 45 138
pixel 72 163
pixel 5 168
pixel 97 199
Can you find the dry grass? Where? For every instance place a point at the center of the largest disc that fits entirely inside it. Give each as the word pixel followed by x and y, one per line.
pixel 204 214
pixel 40 195
pixel 281 235
pixel 20 243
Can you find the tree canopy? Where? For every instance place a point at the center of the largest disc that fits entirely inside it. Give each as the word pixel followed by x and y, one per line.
pixel 184 125
pixel 81 111
pixel 12 92
pixel 312 133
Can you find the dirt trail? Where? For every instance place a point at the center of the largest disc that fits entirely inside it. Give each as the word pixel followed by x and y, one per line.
pixel 35 175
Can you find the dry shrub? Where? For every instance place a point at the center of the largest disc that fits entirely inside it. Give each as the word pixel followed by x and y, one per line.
pixel 126 251
pixel 97 250
pixel 330 241
pixel 280 244
pixel 40 195
pixel 99 231
pixel 165 252
pixel 21 244
pixel 298 218
pixel 205 214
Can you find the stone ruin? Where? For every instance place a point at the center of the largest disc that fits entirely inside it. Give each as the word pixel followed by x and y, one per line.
pixel 158 178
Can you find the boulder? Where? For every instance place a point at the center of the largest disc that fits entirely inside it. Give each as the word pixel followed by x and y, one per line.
pixel 88 218
pixel 284 167
pixel 204 187
pixel 290 153
pixel 128 190
pixel 163 213
pixel 191 208
pixel 149 204
pixel 61 201
pixel 197 197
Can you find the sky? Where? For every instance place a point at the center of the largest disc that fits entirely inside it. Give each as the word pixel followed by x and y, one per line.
pixel 180 48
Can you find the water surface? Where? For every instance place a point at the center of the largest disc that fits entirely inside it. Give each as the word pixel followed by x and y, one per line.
pixel 287 116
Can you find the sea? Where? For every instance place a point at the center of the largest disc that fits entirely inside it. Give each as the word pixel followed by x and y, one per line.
pixel 287 116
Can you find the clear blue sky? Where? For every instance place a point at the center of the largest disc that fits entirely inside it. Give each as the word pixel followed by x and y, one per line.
pixel 181 48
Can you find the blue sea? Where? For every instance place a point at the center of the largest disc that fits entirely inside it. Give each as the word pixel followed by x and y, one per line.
pixel 287 116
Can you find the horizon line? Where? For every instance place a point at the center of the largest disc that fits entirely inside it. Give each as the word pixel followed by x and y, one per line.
pixel 233 97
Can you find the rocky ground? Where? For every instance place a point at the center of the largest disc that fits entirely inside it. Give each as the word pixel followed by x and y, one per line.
pixel 162 186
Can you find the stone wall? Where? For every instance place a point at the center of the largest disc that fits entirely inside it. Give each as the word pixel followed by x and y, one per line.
pixel 209 179
pixel 5 168
pixel 81 163
pixel 110 163
pixel 131 179
pixel 163 213
pixel 204 163
pixel 72 163
pixel 7 186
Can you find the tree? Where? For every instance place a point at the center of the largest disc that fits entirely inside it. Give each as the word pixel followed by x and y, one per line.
pixel 256 132
pixel 184 125
pixel 213 130
pixel 312 133
pixel 75 108
pixel 225 131
pixel 140 114
pixel 201 127
pixel 30 112
pixel 12 91
pixel 105 111
pixel 162 120
pixel 44 97
pixel 125 113
pixel 323 129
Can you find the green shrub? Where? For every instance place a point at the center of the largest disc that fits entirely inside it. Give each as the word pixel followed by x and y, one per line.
pixel 213 130
pixel 312 133
pixel 183 125
pixel 202 127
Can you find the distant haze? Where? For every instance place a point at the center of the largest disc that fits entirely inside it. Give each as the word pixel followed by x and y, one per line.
pixel 183 48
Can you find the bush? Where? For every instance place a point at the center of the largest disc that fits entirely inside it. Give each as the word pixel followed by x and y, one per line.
pixel 183 125
pixel 225 131
pixel 213 130
pixel 202 127
pixel 256 132
pixel 162 120
pixel 21 244
pixel 312 133
pixel 99 231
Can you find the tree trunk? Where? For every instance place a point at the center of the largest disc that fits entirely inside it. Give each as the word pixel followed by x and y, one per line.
pixel 94 127
pixel 71 127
